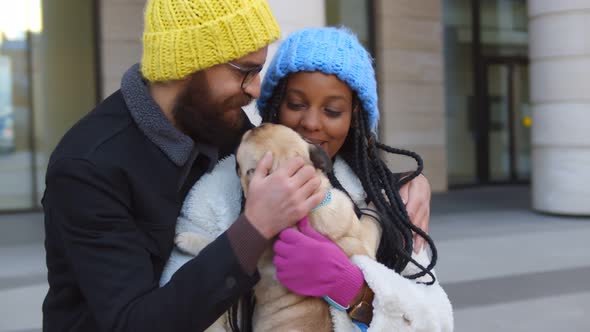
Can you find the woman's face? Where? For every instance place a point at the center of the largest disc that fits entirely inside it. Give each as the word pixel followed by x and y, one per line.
pixel 319 108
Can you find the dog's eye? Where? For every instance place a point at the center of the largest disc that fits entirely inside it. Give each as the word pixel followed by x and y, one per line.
pixel 250 172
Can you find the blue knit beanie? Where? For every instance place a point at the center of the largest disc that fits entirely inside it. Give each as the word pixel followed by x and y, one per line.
pixel 329 50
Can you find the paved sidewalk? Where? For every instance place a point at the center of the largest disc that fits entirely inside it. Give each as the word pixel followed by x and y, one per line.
pixel 504 267
pixel 23 277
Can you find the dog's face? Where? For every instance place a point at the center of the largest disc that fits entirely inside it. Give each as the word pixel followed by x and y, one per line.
pixel 283 142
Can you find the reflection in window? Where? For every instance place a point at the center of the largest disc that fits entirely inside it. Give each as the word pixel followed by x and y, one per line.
pixel 19 22
pixel 504 39
pixel 460 101
pixel 47 82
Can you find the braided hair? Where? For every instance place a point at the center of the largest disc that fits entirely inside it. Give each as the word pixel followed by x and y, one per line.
pixel 361 152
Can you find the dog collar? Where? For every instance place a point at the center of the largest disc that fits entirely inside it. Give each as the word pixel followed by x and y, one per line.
pixel 326 200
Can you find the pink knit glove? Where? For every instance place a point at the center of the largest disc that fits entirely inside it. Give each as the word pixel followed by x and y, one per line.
pixel 310 264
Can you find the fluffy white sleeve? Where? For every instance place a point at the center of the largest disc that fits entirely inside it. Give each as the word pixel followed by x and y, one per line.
pixel 402 304
pixel 211 206
pixel 176 261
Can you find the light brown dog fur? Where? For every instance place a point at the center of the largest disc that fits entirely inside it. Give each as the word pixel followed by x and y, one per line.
pixel 277 309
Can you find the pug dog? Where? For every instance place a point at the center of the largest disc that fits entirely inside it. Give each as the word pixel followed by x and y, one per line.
pixel 278 309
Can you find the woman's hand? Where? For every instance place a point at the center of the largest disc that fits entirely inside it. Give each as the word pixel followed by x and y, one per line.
pixel 416 195
pixel 310 264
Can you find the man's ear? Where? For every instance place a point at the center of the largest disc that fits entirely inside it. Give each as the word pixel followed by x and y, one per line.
pixel 320 158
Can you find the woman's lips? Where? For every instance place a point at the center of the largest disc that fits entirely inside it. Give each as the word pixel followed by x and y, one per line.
pixel 313 141
pixel 317 142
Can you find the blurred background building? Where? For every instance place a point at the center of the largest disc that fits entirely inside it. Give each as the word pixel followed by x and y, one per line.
pixel 487 91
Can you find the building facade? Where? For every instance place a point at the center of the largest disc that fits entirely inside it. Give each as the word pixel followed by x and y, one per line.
pixel 486 91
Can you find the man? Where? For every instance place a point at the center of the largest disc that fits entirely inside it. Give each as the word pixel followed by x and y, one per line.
pixel 117 180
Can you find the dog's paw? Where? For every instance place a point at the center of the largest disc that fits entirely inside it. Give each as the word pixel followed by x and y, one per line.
pixel 352 246
pixel 191 243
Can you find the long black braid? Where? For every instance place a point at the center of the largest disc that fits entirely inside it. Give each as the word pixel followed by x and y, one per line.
pixel 382 188
pixel 360 151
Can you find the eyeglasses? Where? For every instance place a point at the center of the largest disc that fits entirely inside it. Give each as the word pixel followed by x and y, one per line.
pixel 250 73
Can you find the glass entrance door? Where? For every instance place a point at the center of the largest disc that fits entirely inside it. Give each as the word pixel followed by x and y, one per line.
pixel 508 114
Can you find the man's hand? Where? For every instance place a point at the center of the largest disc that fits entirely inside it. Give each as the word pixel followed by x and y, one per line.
pixel 416 195
pixel 279 200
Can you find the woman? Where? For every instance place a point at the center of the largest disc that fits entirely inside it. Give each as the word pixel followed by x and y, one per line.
pixel 321 83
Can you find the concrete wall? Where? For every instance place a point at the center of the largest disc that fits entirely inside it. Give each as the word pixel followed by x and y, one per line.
pixel 560 93
pixel 121 27
pixel 411 86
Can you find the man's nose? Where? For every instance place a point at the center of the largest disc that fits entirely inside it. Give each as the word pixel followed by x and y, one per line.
pixel 253 89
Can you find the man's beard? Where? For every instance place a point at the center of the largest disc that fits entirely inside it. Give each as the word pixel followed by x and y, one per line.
pixel 210 121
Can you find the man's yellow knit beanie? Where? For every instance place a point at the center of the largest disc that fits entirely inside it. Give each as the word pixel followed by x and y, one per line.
pixel 185 36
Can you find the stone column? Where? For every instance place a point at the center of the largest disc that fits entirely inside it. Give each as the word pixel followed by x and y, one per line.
pixel 63 77
pixel 560 93
pixel 410 62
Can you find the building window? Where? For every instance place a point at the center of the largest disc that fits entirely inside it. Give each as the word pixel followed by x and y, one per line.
pixel 354 14
pixel 47 82
pixel 486 88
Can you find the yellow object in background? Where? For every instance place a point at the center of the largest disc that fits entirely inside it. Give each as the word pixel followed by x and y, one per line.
pixel 527 121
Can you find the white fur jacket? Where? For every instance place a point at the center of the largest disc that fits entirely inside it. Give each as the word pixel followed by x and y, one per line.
pixel 399 305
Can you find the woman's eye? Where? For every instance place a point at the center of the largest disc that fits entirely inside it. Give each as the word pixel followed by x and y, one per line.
pixel 332 113
pixel 295 106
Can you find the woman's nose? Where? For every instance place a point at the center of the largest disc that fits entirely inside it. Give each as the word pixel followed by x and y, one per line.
pixel 311 120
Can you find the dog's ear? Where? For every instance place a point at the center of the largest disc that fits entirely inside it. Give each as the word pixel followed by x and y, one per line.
pixel 320 158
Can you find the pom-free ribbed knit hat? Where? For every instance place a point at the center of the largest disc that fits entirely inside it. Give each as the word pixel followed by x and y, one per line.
pixel 330 50
pixel 184 36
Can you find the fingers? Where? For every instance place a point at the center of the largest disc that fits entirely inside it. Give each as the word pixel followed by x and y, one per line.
pixel 413 200
pixel 300 176
pixel 279 262
pixel 303 222
pixel 303 175
pixel 310 187
pixel 418 243
pixel 264 166
pixel 314 200
pixel 308 230
pixel 291 166
pixel 280 248
pixel 297 171
pixel 283 248
pixel 421 221
pixel 287 242
pixel 404 192
pixel 289 236
pixel 415 196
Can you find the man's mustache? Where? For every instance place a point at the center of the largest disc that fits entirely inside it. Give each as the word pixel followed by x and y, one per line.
pixel 238 101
